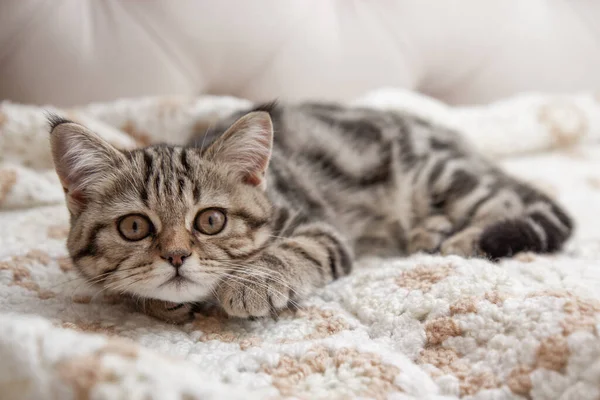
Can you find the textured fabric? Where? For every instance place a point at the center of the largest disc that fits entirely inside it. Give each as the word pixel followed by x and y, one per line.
pixel 423 327
pixel 67 52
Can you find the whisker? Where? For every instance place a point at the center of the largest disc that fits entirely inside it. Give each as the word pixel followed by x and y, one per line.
pixel 77 278
pixel 96 279
pixel 279 237
pixel 210 125
pixel 115 285
pixel 124 286
pixel 272 274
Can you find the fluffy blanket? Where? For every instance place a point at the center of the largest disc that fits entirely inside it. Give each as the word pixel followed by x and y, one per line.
pixel 422 327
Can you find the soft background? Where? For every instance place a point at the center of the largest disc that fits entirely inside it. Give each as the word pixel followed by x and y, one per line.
pixel 422 327
pixel 71 52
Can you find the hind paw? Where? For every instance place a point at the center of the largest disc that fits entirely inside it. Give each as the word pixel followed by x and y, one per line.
pixel 507 238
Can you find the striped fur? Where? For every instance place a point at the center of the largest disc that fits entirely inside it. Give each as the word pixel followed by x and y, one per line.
pixel 341 183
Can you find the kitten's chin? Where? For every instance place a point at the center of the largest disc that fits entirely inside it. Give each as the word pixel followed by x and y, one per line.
pixel 179 291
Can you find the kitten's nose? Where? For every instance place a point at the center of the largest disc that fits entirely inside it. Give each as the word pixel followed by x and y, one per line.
pixel 176 257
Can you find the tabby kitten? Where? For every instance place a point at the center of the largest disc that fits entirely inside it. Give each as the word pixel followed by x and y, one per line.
pixel 257 220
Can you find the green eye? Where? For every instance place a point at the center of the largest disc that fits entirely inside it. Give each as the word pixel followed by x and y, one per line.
pixel 135 227
pixel 210 221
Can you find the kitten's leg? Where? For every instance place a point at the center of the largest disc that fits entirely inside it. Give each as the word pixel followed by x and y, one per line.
pixel 429 234
pixel 285 272
pixel 167 311
pixel 492 214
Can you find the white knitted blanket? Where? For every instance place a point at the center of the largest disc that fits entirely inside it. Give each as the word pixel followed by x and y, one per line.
pixel 422 327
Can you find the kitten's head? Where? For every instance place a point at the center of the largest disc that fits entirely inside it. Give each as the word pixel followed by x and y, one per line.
pixel 165 222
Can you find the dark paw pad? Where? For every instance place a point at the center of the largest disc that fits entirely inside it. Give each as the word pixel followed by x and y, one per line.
pixel 507 238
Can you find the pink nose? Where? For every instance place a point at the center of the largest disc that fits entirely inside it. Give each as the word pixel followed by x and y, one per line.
pixel 176 257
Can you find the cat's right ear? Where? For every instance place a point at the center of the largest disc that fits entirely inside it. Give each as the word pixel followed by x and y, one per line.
pixel 246 147
pixel 81 158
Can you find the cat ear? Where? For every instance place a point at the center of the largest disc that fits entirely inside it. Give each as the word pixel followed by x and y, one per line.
pixel 246 146
pixel 81 158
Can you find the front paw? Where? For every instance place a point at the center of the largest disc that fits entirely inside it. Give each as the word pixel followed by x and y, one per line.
pixel 167 311
pixel 247 295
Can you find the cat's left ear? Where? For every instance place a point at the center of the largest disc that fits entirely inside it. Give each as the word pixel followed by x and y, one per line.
pixel 246 147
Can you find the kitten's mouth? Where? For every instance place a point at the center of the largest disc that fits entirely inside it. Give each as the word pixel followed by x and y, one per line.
pixel 177 280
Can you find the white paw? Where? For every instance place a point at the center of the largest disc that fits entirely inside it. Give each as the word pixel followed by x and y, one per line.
pixel 246 295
